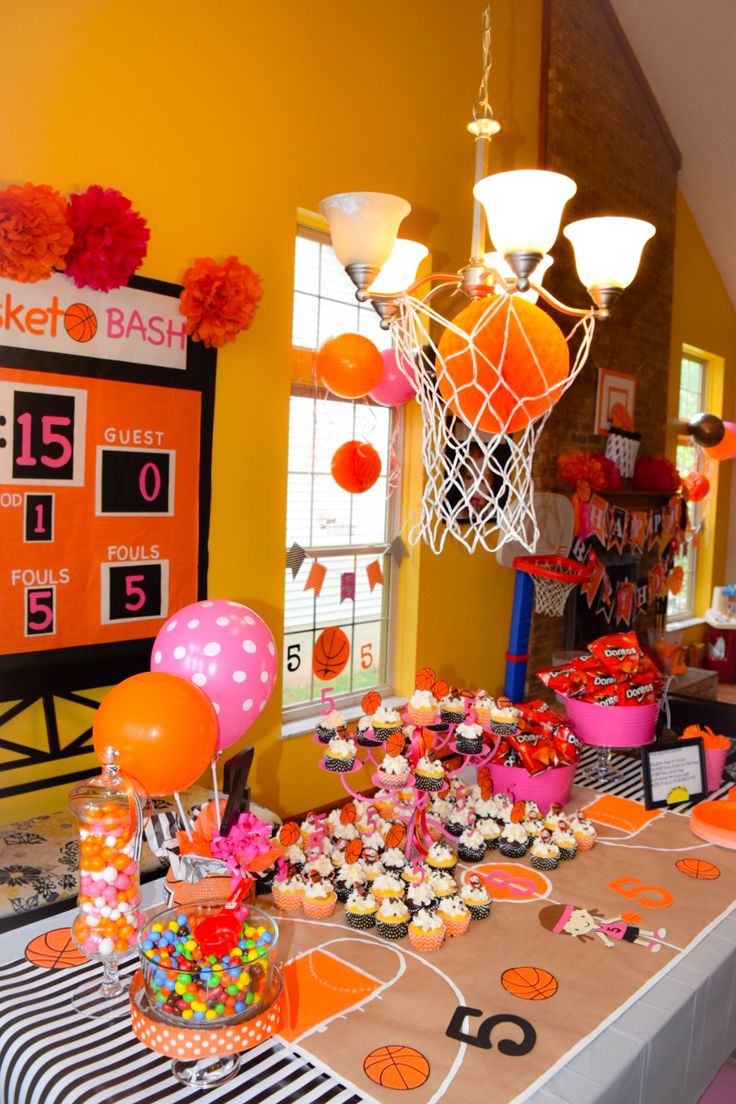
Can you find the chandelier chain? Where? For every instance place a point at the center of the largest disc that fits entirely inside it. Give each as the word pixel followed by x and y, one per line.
pixel 482 108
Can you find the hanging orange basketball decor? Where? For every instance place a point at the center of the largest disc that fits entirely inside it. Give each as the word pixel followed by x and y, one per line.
pixel 356 466
pixel 506 368
pixel 349 365
pixel 695 486
pixel 726 448
pixel 331 653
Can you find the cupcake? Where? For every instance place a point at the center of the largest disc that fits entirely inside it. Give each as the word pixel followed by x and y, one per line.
pixel 441 884
pixel 392 919
pixel 504 717
pixel 501 804
pixel 439 807
pixel 340 755
pixel 564 838
pixel 441 857
pixel 373 840
pixel 288 894
pixel 553 816
pixel 490 831
pixel 394 861
pixel 532 811
pixel 387 885
pixel 386 721
pixel 360 910
pixel 485 808
pixel 364 733
pixel 372 865
pixel 452 709
pixel 514 841
pixel 330 725
pixel 429 774
pixel 471 846
pixel 321 865
pixel 533 828
pixel 349 876
pixel 295 856
pixel 420 896
pixel 393 771
pixel 459 818
pixel 422 708
pixel 476 898
pixel 413 874
pixel 483 704
pixel 469 739
pixel 455 914
pixel 584 832
pixel 544 854
pixel 319 900
pixel 426 931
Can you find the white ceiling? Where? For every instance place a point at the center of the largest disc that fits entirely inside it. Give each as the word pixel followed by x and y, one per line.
pixel 687 50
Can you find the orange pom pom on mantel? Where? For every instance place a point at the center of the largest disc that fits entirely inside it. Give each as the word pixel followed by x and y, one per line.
pixel 356 466
pixel 34 233
pixel 508 366
pixel 349 365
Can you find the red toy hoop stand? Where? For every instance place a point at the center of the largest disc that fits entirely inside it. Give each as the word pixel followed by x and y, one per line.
pixel 554 576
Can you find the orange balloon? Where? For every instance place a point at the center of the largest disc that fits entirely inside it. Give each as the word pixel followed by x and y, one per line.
pixel 349 365
pixel 519 354
pixel 726 448
pixel 164 728
pixel 356 466
pixel 695 486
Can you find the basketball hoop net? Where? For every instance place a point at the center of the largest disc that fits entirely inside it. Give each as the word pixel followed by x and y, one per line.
pixel 554 577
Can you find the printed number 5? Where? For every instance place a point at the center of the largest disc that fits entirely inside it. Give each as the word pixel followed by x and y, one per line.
pixel 136 592
pixel 293 657
pixel 37 605
pixel 327 701
pixel 366 656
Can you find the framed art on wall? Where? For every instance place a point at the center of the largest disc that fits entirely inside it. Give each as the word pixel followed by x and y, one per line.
pixel 613 387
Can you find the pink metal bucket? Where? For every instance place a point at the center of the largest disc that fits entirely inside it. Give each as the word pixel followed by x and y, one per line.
pixel 612 725
pixel 715 761
pixel 545 788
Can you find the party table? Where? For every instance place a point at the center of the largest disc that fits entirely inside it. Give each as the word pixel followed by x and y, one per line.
pixel 663 1043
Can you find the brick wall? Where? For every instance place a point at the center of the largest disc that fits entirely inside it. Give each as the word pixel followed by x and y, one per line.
pixel 598 127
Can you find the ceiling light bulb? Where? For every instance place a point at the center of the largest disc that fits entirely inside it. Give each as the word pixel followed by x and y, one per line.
pixel 608 250
pixel 523 208
pixel 364 225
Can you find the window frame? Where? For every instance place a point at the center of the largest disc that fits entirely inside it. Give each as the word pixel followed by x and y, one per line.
pixel 695 509
pixel 300 387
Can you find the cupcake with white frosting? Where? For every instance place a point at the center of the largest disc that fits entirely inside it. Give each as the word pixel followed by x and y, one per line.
pixel 544 854
pixel 360 910
pixel 455 914
pixel 441 857
pixel 476 898
pixel 452 709
pixel 514 841
pixel 385 721
pixel 420 896
pixel 319 900
pixel 422 708
pixel 392 919
pixel 387 885
pixel 429 774
pixel 340 755
pixel 426 931
pixel 469 739
pixel 471 846
pixel 393 771
pixel 330 725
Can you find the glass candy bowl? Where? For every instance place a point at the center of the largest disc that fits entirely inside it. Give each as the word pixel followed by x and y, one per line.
pixel 188 987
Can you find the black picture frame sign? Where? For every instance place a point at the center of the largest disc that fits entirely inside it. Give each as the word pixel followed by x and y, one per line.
pixel 679 765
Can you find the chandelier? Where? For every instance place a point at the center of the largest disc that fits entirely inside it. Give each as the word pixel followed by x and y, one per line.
pixel 488 377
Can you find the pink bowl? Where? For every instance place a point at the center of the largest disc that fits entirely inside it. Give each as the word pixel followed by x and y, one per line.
pixel 612 725
pixel 545 788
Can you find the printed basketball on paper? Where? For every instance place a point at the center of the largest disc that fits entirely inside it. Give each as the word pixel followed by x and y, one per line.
pixel 331 653
pixel 55 950
pixel 396 1067
pixel 529 983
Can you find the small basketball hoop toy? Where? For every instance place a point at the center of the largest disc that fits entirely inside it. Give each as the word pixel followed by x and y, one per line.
pixel 554 577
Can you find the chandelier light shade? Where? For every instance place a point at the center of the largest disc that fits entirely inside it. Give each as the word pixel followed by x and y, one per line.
pixel 363 228
pixel 523 208
pixel 497 263
pixel 608 250
pixel 400 269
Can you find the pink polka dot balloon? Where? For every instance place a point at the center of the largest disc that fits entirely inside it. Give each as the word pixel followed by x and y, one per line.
pixel 226 650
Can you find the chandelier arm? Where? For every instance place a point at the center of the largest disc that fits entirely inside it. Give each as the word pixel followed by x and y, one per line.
pixel 573 312
pixel 448 277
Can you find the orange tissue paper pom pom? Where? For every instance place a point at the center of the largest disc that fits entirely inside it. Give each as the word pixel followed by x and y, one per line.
pixel 34 233
pixel 219 301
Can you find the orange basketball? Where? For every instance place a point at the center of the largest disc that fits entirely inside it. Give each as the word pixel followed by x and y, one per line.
pixel 331 653
pixel 80 322
pixel 426 678
pixel 55 950
pixel 396 1067
pixel 396 835
pixel 370 702
pixel 529 983
pixel 348 813
pixel 395 743
pixel 440 689
pixel 349 365
pixel 513 372
pixel 485 782
pixel 289 833
pixel 353 851
pixel 518 812
pixel 698 868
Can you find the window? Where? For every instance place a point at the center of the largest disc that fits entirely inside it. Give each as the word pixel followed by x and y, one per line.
pixel 688 457
pixel 344 533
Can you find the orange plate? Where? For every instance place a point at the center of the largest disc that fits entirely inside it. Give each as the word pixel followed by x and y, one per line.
pixel 715 821
pixel 201 1042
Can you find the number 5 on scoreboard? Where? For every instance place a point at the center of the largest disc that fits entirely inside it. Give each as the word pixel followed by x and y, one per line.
pixel 40 611
pixel 134 591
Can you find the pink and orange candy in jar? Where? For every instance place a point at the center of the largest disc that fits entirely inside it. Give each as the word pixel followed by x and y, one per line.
pixel 109 808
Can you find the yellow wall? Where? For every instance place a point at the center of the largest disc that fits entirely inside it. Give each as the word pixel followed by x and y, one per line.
pixel 219 121
pixel 703 317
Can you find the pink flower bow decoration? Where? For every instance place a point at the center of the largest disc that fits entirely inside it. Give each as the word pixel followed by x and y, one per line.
pixel 248 847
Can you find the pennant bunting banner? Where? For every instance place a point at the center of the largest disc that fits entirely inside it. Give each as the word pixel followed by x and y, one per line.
pixel 624 602
pixel 316 578
pixel 599 518
pixel 637 530
pixel 398 550
pixel 374 573
pixel 590 587
pixel 347 586
pixel 295 557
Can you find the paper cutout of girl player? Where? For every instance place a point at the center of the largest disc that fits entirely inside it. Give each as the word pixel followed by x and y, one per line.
pixel 587 924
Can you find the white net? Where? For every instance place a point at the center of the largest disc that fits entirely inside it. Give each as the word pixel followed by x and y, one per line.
pixel 550 595
pixel 485 393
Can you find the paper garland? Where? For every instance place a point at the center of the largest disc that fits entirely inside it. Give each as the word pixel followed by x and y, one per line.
pixel 347 586
pixel 296 556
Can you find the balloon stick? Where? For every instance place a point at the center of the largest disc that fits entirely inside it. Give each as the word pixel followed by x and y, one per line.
pixel 183 815
pixel 217 793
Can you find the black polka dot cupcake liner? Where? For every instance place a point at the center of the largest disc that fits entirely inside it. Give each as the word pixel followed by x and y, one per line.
pixel 382 734
pixel 470 854
pixel 478 912
pixel 503 728
pixel 324 735
pixel 452 716
pixel 512 850
pixel 567 853
pixel 415 907
pixel 438 726
pixel 491 844
pixel 543 864
pixel 424 782
pixel 364 740
pixel 392 931
pixel 361 921
pixel 443 869
pixel 455 829
pixel 468 747
pixel 342 766
pixel 343 891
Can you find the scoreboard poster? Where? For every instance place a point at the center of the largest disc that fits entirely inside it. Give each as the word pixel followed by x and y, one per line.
pixel 106 411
